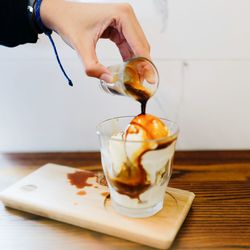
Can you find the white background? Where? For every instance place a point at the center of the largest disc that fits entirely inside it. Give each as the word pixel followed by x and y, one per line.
pixel 202 50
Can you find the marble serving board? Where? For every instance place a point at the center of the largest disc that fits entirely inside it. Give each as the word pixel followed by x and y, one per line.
pixel 48 192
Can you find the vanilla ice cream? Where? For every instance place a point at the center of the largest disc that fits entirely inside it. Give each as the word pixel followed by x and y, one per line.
pixel 141 160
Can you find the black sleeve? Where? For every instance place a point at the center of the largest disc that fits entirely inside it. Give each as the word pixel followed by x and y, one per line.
pixel 15 27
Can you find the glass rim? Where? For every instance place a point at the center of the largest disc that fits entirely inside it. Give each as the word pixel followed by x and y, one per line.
pixel 163 139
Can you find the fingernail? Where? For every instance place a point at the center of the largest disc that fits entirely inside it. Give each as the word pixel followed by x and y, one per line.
pixel 106 77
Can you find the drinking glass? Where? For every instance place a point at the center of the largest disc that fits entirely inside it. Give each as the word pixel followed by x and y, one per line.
pixel 137 189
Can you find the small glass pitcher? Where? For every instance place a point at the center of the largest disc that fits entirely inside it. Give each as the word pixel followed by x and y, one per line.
pixel 137 78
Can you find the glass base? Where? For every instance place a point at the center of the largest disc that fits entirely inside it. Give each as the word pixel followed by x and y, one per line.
pixel 137 212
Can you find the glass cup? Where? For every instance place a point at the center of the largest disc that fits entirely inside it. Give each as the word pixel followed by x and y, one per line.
pixel 137 188
pixel 136 77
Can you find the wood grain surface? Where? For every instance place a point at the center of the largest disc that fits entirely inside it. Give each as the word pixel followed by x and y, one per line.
pixel 219 218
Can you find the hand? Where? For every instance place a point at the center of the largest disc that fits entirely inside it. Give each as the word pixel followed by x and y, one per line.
pixel 81 25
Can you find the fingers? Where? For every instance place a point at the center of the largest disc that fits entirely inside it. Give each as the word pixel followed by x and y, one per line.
pixel 133 33
pixel 125 50
pixel 93 68
pixel 113 34
pixel 126 32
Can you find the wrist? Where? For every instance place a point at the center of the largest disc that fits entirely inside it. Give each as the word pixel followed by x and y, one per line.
pixel 48 11
pixel 38 19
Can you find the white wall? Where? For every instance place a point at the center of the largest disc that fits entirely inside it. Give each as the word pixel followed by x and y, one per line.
pixel 202 50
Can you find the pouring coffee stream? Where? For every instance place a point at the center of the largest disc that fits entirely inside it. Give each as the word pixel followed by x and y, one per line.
pixel 137 151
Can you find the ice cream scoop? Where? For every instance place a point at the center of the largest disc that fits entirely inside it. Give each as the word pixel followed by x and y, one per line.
pixel 150 126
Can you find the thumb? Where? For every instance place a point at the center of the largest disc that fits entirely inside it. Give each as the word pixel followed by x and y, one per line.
pixel 93 67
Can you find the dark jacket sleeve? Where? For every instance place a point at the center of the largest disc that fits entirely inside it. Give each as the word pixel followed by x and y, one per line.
pixel 15 27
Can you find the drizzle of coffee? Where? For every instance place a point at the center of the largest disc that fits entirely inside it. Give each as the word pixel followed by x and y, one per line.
pixel 141 95
pixel 143 107
pixel 134 87
pixel 80 178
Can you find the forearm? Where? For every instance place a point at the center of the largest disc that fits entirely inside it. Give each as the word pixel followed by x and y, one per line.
pixel 15 27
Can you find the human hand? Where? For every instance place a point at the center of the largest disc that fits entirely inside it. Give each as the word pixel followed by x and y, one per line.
pixel 81 25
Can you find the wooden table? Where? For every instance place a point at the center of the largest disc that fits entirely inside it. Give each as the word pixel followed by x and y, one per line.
pixel 219 218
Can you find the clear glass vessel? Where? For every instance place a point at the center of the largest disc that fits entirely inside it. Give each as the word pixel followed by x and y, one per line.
pixel 137 184
pixel 132 77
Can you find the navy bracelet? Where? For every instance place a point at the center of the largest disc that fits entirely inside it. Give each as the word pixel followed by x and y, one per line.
pixel 48 33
